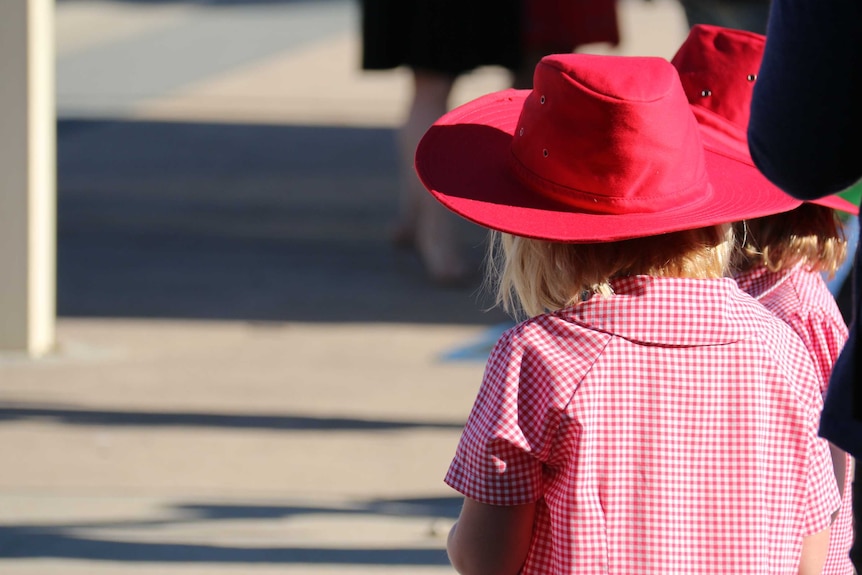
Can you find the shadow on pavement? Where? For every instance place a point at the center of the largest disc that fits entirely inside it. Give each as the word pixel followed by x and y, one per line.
pixel 33 542
pixel 241 222
pixel 66 416
pixel 71 541
pixel 432 507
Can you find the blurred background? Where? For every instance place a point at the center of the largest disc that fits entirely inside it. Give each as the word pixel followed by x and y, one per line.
pixel 248 377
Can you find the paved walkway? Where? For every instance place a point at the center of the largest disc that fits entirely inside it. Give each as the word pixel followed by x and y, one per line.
pixel 248 378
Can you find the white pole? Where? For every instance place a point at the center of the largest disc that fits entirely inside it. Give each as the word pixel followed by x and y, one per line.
pixel 27 177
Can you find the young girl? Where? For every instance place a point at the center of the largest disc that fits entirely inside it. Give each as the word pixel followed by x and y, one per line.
pixel 779 263
pixel 780 257
pixel 649 417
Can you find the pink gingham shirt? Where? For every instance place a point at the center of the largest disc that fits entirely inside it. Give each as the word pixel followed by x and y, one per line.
pixel 668 429
pixel 802 300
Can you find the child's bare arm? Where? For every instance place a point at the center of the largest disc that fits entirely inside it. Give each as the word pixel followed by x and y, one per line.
pixel 490 539
pixel 814 548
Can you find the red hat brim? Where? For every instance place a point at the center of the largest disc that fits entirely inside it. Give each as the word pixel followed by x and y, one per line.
pixel 837 203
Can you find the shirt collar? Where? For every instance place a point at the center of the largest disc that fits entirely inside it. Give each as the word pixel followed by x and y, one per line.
pixel 672 311
pixel 760 282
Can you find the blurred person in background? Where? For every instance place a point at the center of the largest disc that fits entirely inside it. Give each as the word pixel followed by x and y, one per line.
pixel 560 26
pixel 439 41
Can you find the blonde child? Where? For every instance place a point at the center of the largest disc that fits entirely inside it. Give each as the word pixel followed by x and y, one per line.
pixel 780 257
pixel 648 417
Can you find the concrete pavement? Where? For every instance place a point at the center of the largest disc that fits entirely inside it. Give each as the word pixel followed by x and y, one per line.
pixel 249 379
pixel 164 446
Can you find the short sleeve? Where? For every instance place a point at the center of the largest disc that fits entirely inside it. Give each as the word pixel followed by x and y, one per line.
pixel 509 440
pixel 823 496
pixel 824 338
pixel 495 462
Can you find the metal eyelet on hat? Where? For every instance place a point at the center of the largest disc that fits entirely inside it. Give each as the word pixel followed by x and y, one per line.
pixel 521 131
pixel 545 152
pixel 542 100
pixel 752 77
pixel 706 93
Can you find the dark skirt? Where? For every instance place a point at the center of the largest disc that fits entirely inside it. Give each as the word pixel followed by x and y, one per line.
pixel 444 36
pixel 555 26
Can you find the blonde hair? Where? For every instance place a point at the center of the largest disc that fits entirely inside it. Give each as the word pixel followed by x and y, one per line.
pixel 532 276
pixel 811 234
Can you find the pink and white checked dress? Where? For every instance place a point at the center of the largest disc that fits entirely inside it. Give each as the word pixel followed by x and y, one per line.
pixel 669 429
pixel 802 300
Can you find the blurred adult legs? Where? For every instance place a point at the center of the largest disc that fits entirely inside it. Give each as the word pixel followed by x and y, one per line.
pixel 422 221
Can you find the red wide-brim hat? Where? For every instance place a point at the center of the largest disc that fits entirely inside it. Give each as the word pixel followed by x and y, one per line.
pixel 603 148
pixel 718 69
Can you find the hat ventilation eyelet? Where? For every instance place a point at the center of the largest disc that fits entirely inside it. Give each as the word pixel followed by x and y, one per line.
pixel 752 77
pixel 706 93
pixel 545 152
pixel 542 100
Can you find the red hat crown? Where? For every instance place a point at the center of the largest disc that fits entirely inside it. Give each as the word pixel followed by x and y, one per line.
pixel 604 143
pixel 718 68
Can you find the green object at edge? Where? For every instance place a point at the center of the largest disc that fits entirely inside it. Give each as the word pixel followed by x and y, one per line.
pixel 853 193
